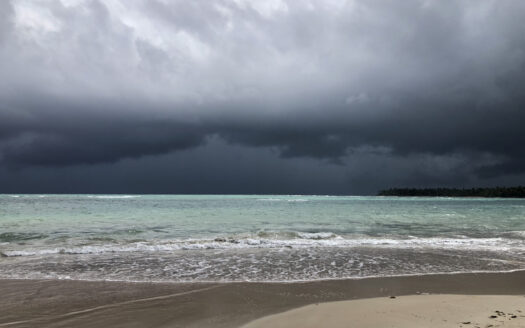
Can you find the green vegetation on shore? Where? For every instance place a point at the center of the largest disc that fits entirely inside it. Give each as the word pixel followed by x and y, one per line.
pixel 504 192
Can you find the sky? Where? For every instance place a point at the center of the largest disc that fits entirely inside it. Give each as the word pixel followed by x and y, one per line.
pixel 260 97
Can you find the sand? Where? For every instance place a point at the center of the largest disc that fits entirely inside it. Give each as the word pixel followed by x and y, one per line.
pixel 405 312
pixel 63 303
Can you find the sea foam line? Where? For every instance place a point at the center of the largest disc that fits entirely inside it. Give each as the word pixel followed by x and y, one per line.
pixel 316 240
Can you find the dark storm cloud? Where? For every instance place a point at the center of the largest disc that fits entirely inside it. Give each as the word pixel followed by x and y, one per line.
pixel 89 82
pixel 218 167
pixel 92 135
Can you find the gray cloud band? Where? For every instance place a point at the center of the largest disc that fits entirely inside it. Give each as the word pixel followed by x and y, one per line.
pixel 87 82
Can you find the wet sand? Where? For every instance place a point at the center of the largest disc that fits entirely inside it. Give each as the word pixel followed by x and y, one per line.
pixel 63 303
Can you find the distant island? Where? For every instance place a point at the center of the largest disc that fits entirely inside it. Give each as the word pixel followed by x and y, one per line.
pixel 503 192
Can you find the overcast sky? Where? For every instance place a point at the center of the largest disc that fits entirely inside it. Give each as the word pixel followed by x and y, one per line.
pixel 270 96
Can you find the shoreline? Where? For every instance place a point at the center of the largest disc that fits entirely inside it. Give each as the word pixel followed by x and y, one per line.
pixel 220 282
pixel 65 303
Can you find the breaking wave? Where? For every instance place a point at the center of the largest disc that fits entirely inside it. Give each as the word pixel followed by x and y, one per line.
pixel 265 240
pixel 113 196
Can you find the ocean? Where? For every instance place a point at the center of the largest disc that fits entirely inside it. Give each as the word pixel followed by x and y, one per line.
pixel 228 238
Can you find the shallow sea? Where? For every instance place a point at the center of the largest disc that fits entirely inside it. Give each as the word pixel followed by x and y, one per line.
pixel 254 237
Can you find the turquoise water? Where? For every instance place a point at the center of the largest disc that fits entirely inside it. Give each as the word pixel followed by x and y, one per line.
pixel 255 238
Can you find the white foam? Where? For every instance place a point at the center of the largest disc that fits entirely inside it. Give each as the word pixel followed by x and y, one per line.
pixel 291 200
pixel 317 235
pixel 323 239
pixel 114 196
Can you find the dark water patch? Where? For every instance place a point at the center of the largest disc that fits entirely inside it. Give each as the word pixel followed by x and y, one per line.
pixel 53 240
pixel 519 235
pixel 135 240
pixel 277 234
pixel 160 229
pixel 379 229
pixel 103 239
pixel 20 236
pixel 130 231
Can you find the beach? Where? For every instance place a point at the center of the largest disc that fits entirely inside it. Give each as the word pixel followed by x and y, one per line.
pixel 70 303
pixel 407 312
pixel 235 260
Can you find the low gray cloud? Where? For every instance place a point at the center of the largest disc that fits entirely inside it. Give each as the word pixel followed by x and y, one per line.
pixel 87 82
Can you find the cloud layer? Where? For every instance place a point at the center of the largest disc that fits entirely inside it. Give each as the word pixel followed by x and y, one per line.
pixel 87 82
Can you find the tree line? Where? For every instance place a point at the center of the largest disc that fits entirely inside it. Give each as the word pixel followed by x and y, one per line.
pixel 504 192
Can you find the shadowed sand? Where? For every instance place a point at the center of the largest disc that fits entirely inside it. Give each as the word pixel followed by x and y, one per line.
pixel 59 303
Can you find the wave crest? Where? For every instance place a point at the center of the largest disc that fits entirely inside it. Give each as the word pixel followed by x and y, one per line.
pixel 301 240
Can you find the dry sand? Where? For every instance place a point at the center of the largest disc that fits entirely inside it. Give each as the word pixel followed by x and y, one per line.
pixel 416 311
pixel 59 303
